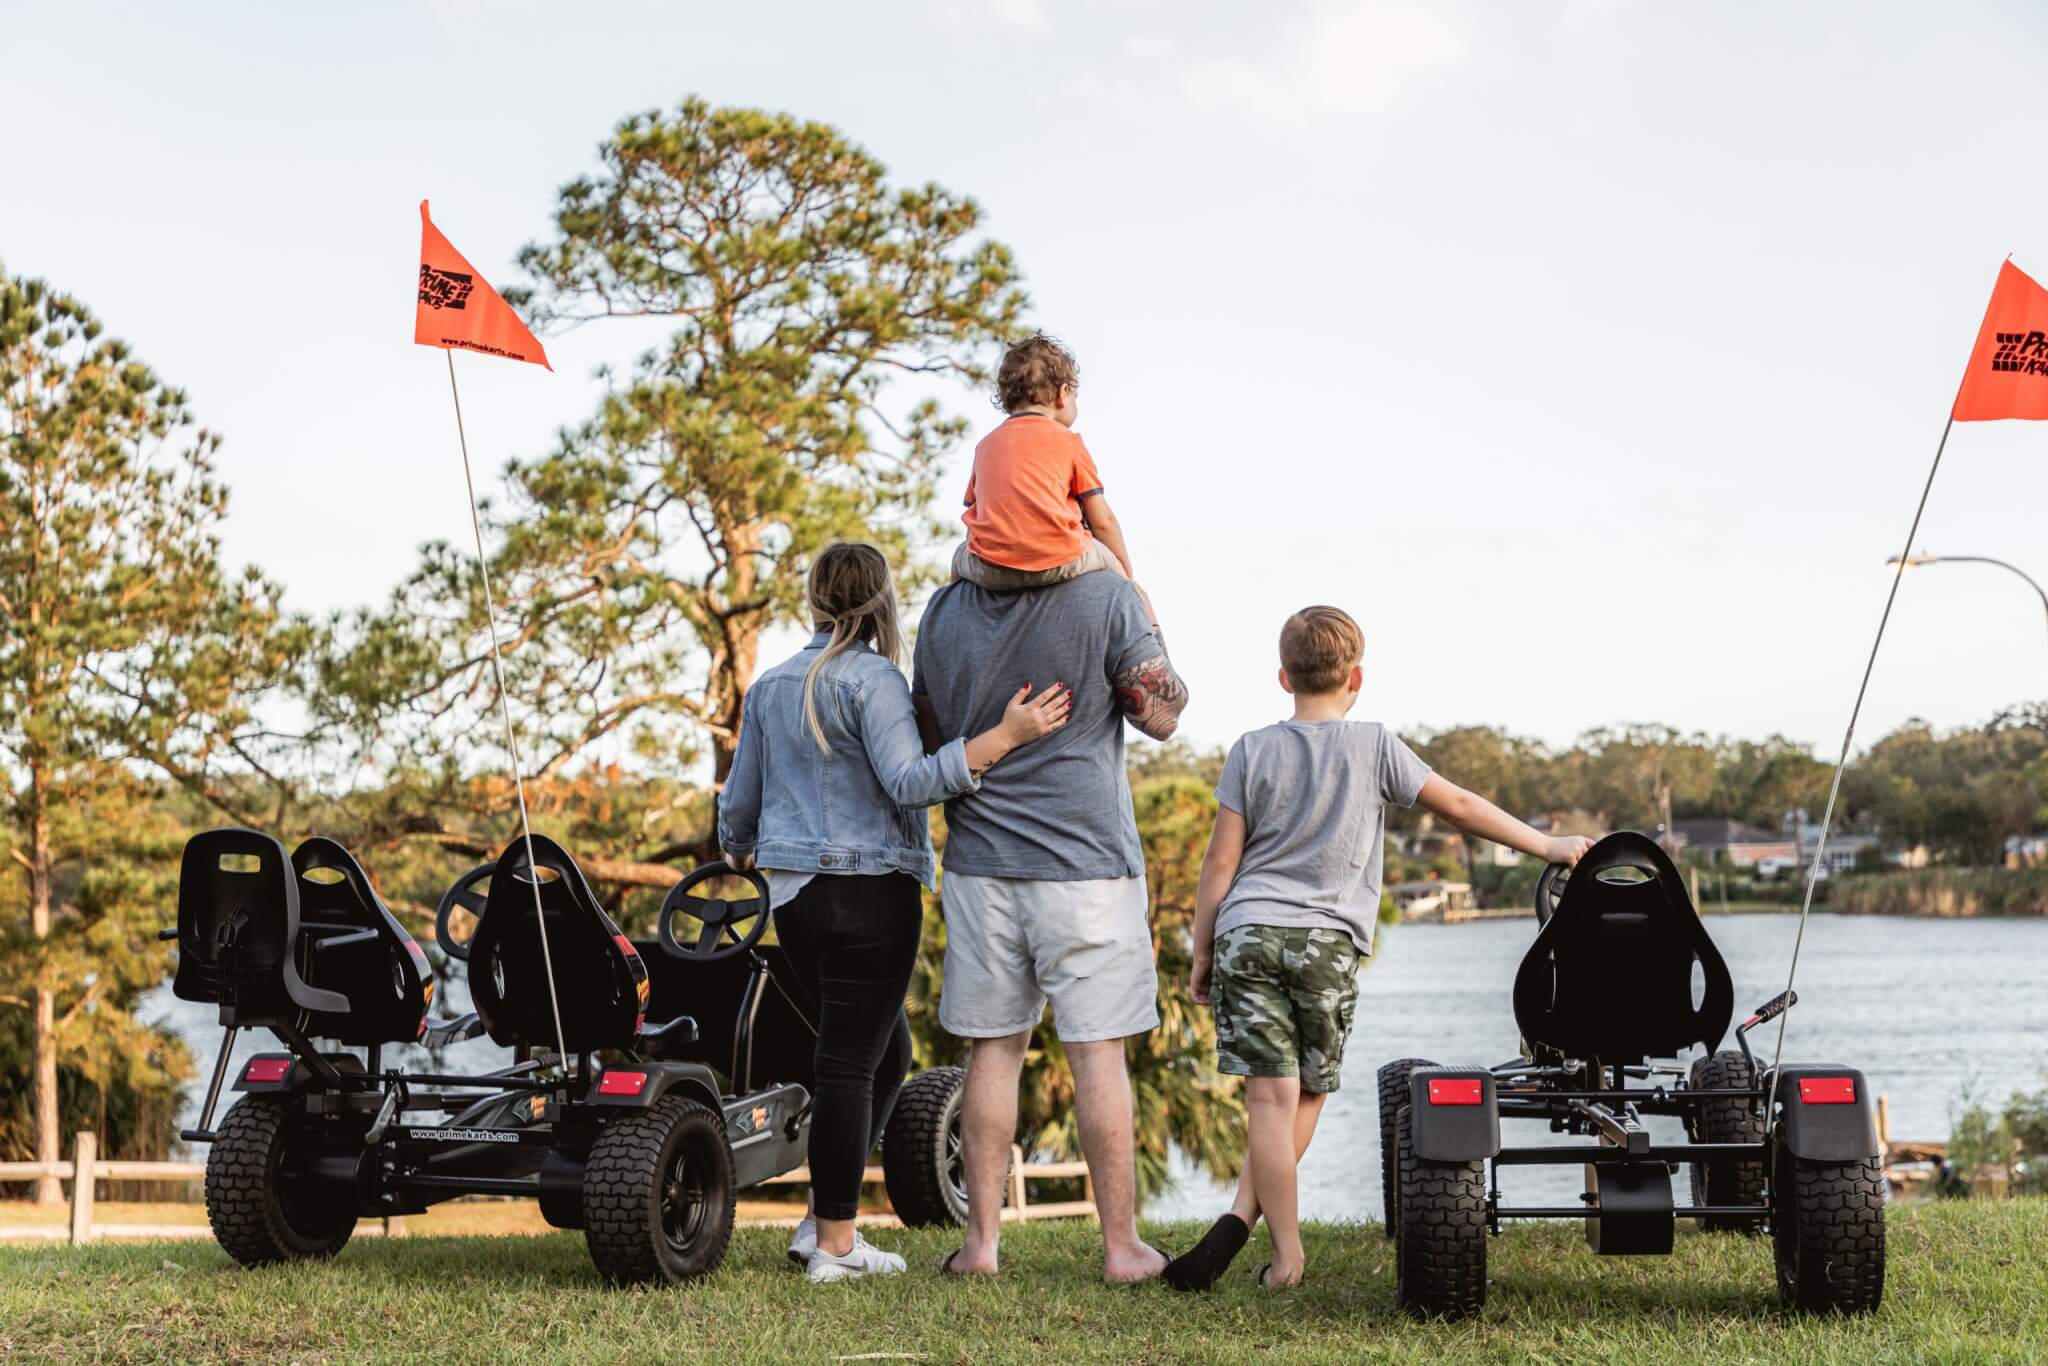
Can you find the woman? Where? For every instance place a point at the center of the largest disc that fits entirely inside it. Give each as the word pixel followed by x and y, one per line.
pixel 827 796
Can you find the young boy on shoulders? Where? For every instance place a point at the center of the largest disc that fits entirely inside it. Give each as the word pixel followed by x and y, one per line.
pixel 1036 513
pixel 1285 910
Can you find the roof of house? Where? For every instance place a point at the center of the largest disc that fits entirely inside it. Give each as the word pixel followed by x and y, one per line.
pixel 1718 832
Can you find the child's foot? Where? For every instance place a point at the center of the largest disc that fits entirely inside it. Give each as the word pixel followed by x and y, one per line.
pixel 1272 1279
pixel 1201 1265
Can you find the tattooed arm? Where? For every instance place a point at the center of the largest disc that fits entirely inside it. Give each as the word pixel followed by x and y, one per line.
pixel 1152 695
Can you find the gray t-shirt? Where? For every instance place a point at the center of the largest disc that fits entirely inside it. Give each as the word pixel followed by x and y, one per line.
pixel 1313 795
pixel 1059 809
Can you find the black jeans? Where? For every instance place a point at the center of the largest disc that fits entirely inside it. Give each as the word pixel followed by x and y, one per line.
pixel 852 942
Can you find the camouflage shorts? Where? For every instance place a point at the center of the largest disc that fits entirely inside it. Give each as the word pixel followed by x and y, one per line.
pixel 1283 999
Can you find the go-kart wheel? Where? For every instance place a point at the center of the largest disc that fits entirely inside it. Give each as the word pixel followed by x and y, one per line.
pixel 452 931
pixel 719 935
pixel 263 1207
pixel 1393 1095
pixel 921 1155
pixel 1827 1222
pixel 658 1195
pixel 1440 1248
pixel 1727 1121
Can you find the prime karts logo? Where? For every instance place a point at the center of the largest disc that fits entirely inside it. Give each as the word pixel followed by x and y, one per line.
pixel 462 1136
pixel 445 288
pixel 2024 353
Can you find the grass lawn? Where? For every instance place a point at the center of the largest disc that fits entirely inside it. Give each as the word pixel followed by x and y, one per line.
pixel 1968 1282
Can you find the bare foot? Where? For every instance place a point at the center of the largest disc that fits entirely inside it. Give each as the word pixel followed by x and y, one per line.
pixel 1273 1276
pixel 1127 1269
pixel 960 1262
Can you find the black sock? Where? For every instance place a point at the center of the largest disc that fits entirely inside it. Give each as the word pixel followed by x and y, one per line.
pixel 1199 1267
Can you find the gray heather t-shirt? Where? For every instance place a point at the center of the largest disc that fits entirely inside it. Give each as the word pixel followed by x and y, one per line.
pixel 1059 809
pixel 1313 795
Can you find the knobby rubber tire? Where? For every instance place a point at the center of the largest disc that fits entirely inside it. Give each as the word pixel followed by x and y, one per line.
pixel 915 1149
pixel 1440 1249
pixel 623 1188
pixel 1827 1227
pixel 257 1218
pixel 1393 1085
pixel 1726 1121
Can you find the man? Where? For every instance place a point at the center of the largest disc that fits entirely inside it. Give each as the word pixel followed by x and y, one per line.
pixel 1044 888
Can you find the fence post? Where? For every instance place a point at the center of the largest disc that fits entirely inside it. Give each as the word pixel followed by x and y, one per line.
pixel 1017 1179
pixel 82 1184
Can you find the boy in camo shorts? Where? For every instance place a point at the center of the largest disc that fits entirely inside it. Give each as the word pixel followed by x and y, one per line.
pixel 1288 900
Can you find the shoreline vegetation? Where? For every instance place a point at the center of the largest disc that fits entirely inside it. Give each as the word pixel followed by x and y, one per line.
pixel 1929 893
pixel 1967 1280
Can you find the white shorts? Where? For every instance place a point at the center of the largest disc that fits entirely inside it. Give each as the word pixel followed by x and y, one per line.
pixel 1012 943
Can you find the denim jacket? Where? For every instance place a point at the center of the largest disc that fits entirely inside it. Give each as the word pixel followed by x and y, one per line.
pixel 859 808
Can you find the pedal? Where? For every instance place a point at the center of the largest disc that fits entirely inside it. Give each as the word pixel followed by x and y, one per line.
pixel 198 1135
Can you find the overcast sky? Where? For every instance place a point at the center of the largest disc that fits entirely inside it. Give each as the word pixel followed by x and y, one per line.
pixel 1591 354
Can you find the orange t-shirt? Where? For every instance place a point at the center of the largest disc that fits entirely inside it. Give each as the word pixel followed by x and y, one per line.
pixel 1024 496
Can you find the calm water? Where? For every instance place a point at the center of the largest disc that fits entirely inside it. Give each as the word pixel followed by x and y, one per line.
pixel 1927 1008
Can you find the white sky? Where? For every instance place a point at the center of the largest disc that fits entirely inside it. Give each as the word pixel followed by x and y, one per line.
pixel 1591 354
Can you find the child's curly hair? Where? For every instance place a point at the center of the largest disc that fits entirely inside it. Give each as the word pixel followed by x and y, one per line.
pixel 1033 371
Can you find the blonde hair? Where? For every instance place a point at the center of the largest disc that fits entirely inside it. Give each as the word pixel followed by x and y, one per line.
pixel 1318 647
pixel 852 595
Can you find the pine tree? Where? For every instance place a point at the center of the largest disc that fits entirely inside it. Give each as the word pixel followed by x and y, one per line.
pixel 127 657
pixel 639 561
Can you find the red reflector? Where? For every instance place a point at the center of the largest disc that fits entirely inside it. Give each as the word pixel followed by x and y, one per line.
pixel 627 945
pixel 622 1083
pixel 1828 1090
pixel 267 1069
pixel 1455 1091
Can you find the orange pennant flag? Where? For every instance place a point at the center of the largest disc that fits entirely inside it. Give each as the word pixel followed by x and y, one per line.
pixel 458 307
pixel 2008 372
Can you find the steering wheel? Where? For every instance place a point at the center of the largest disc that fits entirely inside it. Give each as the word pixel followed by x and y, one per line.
pixel 465 895
pixel 721 936
pixel 1550 891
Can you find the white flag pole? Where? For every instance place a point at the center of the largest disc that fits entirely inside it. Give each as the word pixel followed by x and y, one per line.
pixel 483 569
pixel 1841 764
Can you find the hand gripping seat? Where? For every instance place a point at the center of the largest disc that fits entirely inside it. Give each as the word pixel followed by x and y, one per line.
pixel 1610 976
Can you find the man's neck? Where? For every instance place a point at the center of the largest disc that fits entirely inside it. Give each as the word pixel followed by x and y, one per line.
pixel 1322 707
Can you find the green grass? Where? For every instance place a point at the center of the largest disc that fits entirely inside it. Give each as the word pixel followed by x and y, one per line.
pixel 1968 1282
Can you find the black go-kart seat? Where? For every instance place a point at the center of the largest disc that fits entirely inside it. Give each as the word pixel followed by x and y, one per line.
pixel 238 932
pixel 349 942
pixel 1610 976
pixel 600 979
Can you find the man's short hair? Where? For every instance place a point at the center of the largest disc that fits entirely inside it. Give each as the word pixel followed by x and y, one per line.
pixel 1318 647
pixel 1033 371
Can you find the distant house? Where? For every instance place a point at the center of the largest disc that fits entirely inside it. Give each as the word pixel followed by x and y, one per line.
pixel 1719 839
pixel 1428 900
pixel 1844 848
pixel 2026 851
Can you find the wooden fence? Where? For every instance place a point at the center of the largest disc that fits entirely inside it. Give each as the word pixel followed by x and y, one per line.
pixel 83 1228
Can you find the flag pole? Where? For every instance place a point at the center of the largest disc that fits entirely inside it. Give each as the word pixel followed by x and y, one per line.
pixel 505 706
pixel 1841 764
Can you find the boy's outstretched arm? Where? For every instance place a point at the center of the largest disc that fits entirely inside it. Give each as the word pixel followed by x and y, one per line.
pixel 1104 527
pixel 1219 870
pixel 1475 815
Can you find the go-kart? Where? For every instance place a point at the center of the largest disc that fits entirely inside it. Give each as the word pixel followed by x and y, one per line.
pixel 617 1111
pixel 1621 979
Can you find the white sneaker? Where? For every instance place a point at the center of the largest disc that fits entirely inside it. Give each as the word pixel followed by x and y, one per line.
pixel 864 1260
pixel 804 1241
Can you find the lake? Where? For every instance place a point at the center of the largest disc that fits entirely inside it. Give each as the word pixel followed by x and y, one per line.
pixel 1927 1008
